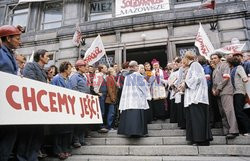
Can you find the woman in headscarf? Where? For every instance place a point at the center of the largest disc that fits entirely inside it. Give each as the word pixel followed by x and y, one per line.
pixel 196 103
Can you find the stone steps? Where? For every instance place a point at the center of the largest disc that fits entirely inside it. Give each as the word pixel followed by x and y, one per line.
pixel 154 133
pixel 150 158
pixel 180 140
pixel 164 150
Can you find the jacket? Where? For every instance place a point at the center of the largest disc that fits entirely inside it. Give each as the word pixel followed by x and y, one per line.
pixel 79 82
pixel 7 61
pixel 112 90
pixel 224 85
pixel 34 71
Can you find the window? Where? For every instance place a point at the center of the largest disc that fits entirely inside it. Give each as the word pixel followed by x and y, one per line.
pixel 52 17
pixel 100 9
pixel 183 48
pixel 19 16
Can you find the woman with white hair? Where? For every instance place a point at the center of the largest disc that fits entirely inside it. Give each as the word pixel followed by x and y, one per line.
pixel 133 103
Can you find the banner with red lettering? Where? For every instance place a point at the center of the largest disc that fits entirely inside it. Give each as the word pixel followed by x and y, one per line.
pixel 133 7
pixel 231 49
pixel 203 43
pixel 95 52
pixel 25 101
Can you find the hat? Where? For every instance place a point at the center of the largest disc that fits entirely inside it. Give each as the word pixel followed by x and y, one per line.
pixel 8 30
pixel 154 61
pixel 80 63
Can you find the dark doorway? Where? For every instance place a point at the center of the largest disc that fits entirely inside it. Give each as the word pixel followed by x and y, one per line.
pixel 147 54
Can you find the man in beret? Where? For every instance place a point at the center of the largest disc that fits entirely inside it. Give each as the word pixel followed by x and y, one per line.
pixel 10 37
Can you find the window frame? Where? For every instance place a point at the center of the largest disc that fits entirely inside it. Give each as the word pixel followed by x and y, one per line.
pixel 51 22
pixel 110 13
pixel 13 7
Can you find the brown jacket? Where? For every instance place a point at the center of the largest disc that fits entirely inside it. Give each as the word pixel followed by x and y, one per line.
pixel 224 85
pixel 112 90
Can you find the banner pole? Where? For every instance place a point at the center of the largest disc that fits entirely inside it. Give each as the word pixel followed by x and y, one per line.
pixel 107 59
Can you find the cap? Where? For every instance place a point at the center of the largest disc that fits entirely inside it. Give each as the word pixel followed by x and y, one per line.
pixel 8 30
pixel 154 61
pixel 80 63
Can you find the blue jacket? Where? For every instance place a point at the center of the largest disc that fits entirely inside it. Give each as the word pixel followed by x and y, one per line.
pixel 79 83
pixel 246 66
pixel 208 71
pixel 7 61
pixel 58 80
pixel 35 71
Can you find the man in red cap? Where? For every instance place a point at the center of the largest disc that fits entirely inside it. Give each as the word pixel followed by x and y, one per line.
pixel 10 37
pixel 79 82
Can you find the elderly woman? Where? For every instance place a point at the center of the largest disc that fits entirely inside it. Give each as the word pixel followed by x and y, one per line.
pixel 239 80
pixel 133 103
pixel 196 103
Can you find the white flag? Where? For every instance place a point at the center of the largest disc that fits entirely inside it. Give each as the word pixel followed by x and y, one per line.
pixel 203 43
pixel 32 56
pixel 95 52
pixel 231 49
pixel 77 38
pixel 24 1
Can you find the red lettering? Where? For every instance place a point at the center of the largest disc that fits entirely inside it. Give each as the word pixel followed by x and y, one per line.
pixel 82 107
pixel 52 96
pixel 85 106
pixel 9 97
pixel 62 100
pixel 29 99
pixel 139 3
pixel 72 103
pixel 39 100
pixel 97 107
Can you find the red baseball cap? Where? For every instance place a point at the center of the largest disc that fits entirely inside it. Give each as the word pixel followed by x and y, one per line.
pixel 8 30
pixel 80 63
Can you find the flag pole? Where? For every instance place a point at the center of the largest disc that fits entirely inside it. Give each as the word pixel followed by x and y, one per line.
pixel 107 59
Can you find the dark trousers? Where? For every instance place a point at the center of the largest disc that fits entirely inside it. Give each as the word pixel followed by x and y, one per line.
pixel 241 116
pixel 62 143
pixel 30 139
pixel 79 133
pixel 7 140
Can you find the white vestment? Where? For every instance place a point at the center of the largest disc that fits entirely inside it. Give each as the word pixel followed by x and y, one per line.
pixel 197 90
pixel 135 93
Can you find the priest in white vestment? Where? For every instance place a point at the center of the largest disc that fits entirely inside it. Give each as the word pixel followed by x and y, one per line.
pixel 196 103
pixel 133 102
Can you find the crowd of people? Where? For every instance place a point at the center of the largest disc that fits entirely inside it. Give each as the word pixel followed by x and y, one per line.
pixel 192 91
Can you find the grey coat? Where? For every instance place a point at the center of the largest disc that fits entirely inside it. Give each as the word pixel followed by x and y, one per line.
pixel 35 71
pixel 225 86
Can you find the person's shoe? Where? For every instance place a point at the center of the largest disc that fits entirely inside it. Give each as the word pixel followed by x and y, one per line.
pixel 205 143
pixel 231 136
pixel 67 154
pixel 62 156
pixel 246 134
pixel 76 145
pixel 103 130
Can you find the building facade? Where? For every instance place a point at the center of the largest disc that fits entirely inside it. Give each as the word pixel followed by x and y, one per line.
pixel 130 29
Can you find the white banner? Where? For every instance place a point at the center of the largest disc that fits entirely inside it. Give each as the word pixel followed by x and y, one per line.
pixel 95 52
pixel 25 101
pixel 203 43
pixel 133 7
pixel 231 49
pixel 24 1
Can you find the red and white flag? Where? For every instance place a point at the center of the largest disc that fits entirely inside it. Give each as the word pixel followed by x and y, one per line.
pixel 203 43
pixel 208 4
pixel 95 52
pixel 77 38
pixel 231 49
